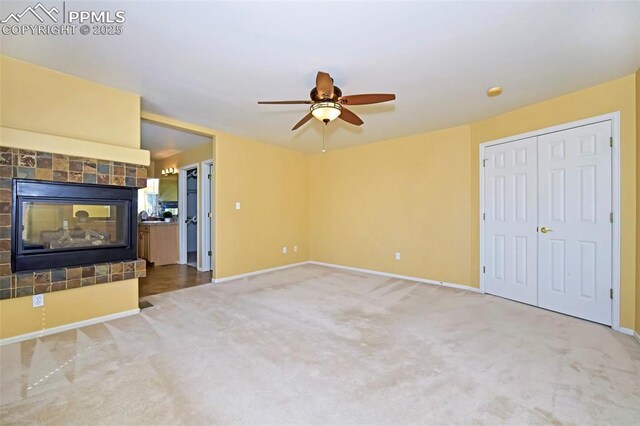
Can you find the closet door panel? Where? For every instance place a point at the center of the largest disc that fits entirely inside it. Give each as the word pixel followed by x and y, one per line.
pixel 510 220
pixel 574 245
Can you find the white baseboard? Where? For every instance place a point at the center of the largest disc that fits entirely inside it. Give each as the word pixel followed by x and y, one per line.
pixel 637 336
pixel 625 330
pixel 250 274
pixel 60 328
pixel 331 265
pixel 402 277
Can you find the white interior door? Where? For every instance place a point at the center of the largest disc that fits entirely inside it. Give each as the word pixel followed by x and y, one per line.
pixel 510 220
pixel 574 254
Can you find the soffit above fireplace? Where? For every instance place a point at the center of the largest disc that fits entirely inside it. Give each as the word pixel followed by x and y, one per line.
pixel 26 140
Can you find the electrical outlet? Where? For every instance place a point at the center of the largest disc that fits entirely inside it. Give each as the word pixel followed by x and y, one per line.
pixel 397 255
pixel 237 205
pixel 284 250
pixel 295 249
pixel 38 300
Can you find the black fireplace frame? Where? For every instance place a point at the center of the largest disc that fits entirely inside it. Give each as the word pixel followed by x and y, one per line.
pixel 46 191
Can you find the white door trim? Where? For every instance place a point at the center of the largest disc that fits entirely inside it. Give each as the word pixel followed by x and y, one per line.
pixel 206 206
pixel 182 208
pixel 614 117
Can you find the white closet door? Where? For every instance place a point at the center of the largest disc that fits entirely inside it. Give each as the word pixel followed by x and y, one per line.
pixel 510 220
pixel 574 255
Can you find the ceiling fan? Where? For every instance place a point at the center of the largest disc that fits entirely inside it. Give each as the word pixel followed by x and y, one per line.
pixel 327 102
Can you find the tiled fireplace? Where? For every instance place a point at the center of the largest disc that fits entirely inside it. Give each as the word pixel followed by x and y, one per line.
pixel 66 242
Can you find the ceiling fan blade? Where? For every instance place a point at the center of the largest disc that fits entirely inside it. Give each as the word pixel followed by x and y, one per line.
pixel 304 120
pixel 372 98
pixel 324 85
pixel 284 102
pixel 350 117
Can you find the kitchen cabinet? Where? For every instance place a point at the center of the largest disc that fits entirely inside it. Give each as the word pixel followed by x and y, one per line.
pixel 158 242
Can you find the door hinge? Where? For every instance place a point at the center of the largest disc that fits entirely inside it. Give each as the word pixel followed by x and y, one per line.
pixel 484 269
pixel 611 293
pixel 611 217
pixel 209 253
pixel 209 176
pixel 484 163
pixel 484 216
pixel 611 142
pixel 209 215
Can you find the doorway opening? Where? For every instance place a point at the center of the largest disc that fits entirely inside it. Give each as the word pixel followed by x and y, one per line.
pixel 177 198
pixel 191 217
pixel 195 200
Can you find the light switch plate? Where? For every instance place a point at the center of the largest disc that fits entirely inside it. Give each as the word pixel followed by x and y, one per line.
pixel 295 249
pixel 284 250
pixel 397 255
pixel 237 205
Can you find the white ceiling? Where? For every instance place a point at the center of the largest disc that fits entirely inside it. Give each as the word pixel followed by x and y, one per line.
pixel 209 62
pixel 164 141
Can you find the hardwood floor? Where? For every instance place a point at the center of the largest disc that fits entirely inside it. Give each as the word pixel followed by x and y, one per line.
pixel 161 279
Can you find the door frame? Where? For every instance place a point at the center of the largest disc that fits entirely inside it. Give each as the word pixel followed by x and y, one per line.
pixel 206 206
pixel 614 117
pixel 182 208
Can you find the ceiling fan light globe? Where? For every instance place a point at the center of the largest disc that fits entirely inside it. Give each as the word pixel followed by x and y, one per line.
pixel 326 111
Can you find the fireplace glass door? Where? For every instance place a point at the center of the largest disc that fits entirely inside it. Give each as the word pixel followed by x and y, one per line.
pixel 57 225
pixel 72 225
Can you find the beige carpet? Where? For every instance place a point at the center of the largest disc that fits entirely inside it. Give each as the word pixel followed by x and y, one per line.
pixel 318 345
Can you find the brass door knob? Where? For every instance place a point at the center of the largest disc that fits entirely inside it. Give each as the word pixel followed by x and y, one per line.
pixel 544 230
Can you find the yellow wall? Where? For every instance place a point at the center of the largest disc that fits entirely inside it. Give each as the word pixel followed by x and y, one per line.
pixel 194 155
pixel 168 188
pixel 14 138
pixel 65 307
pixel 419 195
pixel 46 101
pixel 432 180
pixel 271 185
pixel 616 95
pixel 39 100
pixel 408 195
pixel 637 201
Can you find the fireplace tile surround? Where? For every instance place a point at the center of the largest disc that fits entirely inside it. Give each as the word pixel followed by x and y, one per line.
pixel 18 163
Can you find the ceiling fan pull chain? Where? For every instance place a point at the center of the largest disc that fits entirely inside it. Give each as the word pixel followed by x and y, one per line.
pixel 323 149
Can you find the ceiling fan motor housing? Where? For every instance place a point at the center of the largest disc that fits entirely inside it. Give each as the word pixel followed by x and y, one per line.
pixel 315 96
